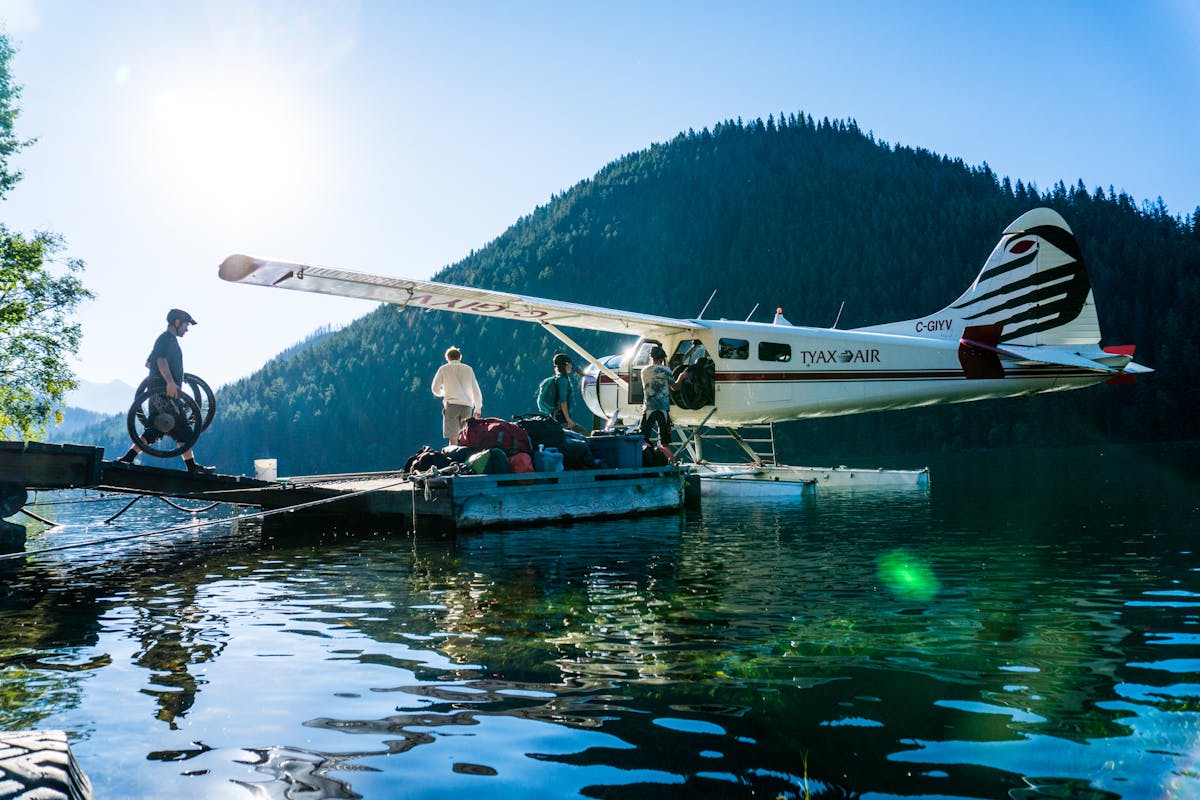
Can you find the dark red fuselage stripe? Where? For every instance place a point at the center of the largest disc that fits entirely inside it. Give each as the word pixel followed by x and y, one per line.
pixel 1045 371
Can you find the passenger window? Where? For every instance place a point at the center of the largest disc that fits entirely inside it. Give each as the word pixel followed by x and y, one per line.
pixel 770 351
pixel 735 349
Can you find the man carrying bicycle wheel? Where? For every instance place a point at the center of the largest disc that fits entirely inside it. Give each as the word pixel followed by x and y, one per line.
pixel 165 364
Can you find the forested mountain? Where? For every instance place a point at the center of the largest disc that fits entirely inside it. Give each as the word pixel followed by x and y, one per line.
pixel 789 212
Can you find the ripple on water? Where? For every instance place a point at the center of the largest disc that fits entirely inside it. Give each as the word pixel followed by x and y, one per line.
pixel 706 651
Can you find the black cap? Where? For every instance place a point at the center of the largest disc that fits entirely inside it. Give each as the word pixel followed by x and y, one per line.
pixel 179 313
pixel 561 358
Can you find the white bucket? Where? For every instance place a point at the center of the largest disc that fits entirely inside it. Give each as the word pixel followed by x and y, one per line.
pixel 265 469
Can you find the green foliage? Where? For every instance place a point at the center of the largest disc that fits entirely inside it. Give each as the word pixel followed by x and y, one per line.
pixel 791 212
pixel 9 143
pixel 36 333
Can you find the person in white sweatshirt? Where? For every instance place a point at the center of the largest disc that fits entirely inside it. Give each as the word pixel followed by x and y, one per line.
pixel 455 383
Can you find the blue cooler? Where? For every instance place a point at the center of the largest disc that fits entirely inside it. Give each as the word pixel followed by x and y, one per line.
pixel 547 459
pixel 619 451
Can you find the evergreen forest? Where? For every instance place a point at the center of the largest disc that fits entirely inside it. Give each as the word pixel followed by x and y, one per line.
pixel 788 212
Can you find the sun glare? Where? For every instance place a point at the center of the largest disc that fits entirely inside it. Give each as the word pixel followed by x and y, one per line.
pixel 233 145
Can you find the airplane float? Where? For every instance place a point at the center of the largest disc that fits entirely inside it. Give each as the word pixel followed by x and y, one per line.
pixel 1026 325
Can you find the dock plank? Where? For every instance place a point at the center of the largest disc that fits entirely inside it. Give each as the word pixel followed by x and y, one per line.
pixel 40 465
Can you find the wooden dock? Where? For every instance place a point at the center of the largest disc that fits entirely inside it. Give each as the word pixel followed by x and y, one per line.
pixel 467 502
pixel 395 499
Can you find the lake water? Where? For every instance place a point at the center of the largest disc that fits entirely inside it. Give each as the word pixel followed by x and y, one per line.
pixel 1028 627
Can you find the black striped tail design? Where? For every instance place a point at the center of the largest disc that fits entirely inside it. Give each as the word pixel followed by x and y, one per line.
pixel 1034 281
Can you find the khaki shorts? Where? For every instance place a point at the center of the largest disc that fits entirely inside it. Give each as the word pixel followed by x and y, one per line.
pixel 454 417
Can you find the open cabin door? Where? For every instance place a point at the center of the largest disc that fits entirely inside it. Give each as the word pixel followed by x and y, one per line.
pixel 633 371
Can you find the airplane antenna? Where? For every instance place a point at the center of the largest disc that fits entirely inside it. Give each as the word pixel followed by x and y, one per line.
pixel 751 314
pixel 839 315
pixel 710 297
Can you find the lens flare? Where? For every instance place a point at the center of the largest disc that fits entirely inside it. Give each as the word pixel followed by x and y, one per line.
pixel 907 576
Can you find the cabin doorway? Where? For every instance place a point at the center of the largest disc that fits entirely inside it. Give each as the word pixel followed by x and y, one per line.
pixel 633 372
pixel 697 387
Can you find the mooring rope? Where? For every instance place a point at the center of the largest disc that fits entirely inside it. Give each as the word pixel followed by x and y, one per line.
pixel 200 524
pixel 73 501
pixel 186 510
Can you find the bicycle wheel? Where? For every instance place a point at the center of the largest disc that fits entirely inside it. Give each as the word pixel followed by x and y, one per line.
pixel 155 416
pixel 204 397
pixel 197 388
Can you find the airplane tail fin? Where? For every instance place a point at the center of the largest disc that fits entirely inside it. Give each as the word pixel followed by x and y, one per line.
pixel 1031 302
pixel 1033 291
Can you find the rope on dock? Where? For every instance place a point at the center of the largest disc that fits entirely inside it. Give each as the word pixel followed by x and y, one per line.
pixel 42 520
pixel 166 500
pixel 187 510
pixel 200 524
pixel 74 500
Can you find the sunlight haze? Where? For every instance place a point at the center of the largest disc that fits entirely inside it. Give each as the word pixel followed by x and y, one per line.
pixel 398 137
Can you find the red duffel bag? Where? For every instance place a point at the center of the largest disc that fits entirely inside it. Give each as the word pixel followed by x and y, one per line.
pixel 481 433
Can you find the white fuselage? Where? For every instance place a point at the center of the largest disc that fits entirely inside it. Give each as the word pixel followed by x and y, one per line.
pixel 774 373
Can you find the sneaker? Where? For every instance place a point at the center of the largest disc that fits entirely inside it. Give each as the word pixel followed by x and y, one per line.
pixel 200 469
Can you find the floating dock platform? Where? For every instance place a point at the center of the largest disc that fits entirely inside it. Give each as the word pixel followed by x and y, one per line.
pixel 467 502
pixel 779 480
pixel 415 501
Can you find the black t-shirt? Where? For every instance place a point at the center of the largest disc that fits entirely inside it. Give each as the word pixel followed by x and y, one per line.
pixel 167 346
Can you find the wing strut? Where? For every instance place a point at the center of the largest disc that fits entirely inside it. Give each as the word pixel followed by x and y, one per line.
pixel 591 359
pixel 690 433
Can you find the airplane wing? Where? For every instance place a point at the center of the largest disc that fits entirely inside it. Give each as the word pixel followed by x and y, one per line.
pixel 448 297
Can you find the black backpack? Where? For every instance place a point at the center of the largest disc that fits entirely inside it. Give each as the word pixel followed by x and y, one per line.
pixel 427 458
pixel 542 430
pixel 576 452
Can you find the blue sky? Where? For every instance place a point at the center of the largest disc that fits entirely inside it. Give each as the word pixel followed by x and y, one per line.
pixel 396 137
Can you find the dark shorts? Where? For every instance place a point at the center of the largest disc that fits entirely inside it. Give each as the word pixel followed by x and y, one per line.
pixel 162 405
pixel 660 418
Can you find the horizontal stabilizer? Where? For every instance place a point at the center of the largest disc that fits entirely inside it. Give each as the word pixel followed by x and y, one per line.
pixel 1053 355
pixel 1137 369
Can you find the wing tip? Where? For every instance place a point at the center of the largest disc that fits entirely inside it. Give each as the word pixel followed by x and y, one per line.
pixel 238 267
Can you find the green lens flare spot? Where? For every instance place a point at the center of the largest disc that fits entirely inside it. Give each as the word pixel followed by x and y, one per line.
pixel 907 576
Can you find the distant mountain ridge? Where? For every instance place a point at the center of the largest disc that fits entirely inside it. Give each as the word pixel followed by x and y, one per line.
pixel 790 212
pixel 109 398
pixel 77 426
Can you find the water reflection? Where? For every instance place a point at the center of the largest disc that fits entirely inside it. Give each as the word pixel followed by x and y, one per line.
pixel 970 641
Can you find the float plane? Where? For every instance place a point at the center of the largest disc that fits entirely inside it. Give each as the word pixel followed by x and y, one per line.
pixel 1026 325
